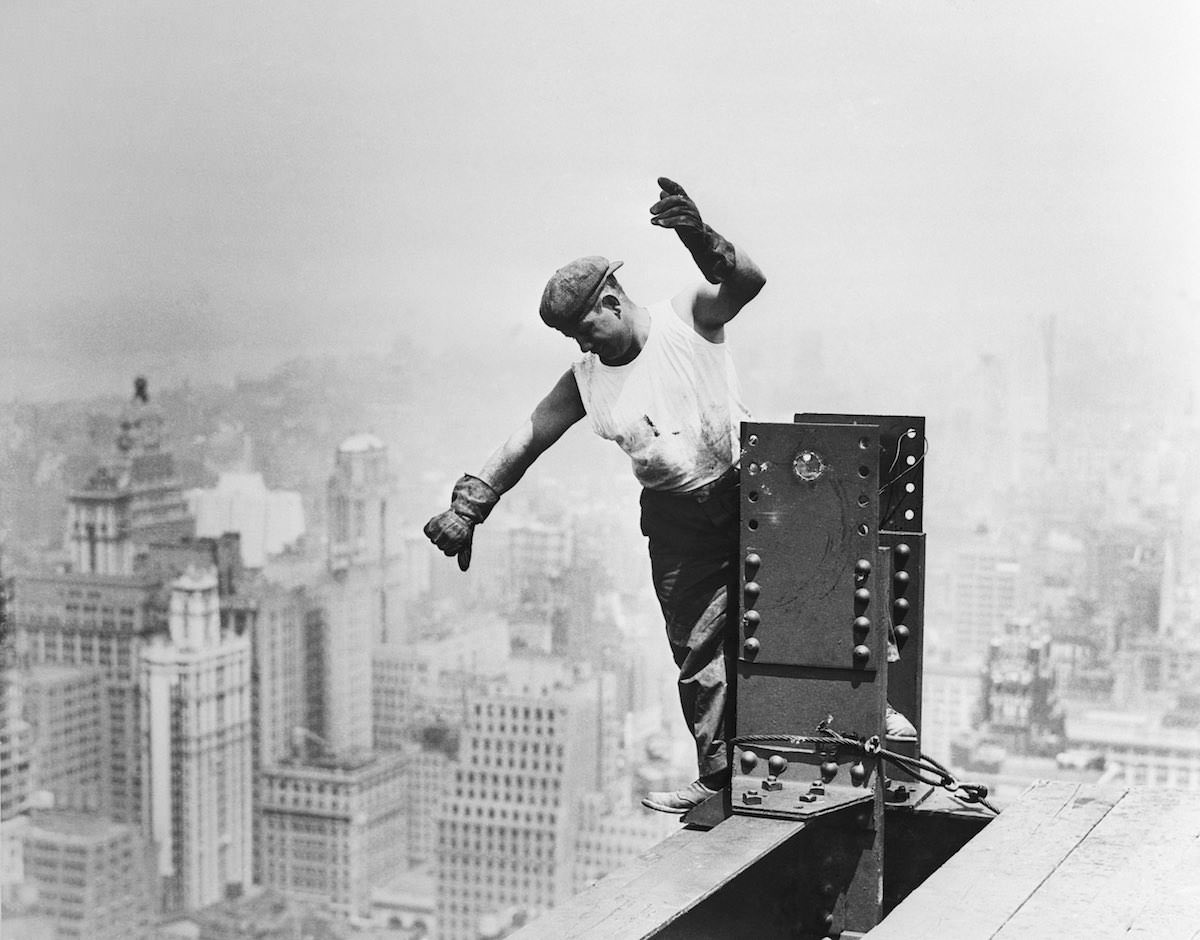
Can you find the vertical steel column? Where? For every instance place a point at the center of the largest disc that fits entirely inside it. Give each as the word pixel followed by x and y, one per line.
pixel 813 650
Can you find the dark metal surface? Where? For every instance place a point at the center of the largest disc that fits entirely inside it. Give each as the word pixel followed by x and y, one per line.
pixel 901 437
pixel 906 556
pixel 810 509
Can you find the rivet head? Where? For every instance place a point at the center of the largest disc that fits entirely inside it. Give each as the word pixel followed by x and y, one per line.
pixel 777 765
pixel 901 579
pixel 750 620
pixel 862 654
pixel 858 774
pixel 902 550
pixel 862 624
pixel 862 596
pixel 753 561
pixel 901 632
pixel 862 567
pixel 829 770
pixel 748 760
pixel 900 605
pixel 750 648
pixel 751 591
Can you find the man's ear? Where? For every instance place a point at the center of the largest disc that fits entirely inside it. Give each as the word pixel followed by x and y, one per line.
pixel 611 303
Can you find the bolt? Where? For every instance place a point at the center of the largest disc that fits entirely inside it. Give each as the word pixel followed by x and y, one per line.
pixel 752 798
pixel 858 774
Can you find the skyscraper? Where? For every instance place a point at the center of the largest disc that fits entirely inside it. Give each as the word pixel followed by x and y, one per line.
pixel 90 876
pixel 67 710
pixel 334 827
pixel 197 755
pixel 532 752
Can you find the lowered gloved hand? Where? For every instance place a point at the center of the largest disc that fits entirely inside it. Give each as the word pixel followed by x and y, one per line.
pixel 470 502
pixel 714 256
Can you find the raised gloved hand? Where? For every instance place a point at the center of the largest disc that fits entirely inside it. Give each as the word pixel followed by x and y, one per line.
pixel 470 502
pixel 714 256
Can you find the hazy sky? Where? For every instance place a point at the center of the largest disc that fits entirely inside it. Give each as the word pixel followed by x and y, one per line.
pixel 198 189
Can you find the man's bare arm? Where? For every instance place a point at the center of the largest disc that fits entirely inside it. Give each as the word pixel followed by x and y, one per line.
pixel 734 277
pixel 560 409
pixel 710 308
pixel 473 498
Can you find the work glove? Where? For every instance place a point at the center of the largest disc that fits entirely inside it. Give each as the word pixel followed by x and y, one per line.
pixel 470 502
pixel 714 256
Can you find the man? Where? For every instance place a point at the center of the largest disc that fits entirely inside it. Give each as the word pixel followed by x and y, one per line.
pixel 659 381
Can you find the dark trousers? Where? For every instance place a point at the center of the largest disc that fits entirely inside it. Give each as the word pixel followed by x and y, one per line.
pixel 693 550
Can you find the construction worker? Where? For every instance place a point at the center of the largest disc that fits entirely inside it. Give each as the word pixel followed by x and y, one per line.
pixel 660 382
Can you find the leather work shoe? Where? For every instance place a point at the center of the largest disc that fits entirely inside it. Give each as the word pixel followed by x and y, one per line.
pixel 678 801
pixel 898 728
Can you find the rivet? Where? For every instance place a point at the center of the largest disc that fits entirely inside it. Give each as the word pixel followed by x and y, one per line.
pixel 752 469
pixel 751 591
pixel 900 605
pixel 862 653
pixel 862 625
pixel 862 597
pixel 901 579
pixel 858 774
pixel 748 760
pixel 901 632
pixel 751 620
pixel 753 561
pixel 829 770
pixel 777 764
pixel 750 648
pixel 752 440
pixel 902 550
pixel 862 567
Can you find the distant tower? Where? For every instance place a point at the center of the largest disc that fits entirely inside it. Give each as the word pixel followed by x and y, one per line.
pixel 158 511
pixel 358 503
pixel 99 523
pixel 197 759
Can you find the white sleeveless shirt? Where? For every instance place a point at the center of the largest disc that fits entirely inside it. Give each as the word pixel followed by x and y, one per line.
pixel 675 409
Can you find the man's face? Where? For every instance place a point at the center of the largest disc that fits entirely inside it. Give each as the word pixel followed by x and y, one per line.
pixel 603 330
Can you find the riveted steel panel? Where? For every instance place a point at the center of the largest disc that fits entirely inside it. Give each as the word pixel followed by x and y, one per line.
pixel 901 465
pixel 809 531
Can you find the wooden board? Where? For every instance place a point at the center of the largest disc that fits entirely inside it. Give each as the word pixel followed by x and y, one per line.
pixel 1067 861
pixel 661 885
pixel 1117 875
pixel 979 889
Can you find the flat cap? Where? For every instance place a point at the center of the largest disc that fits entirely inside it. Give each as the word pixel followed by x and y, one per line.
pixel 573 288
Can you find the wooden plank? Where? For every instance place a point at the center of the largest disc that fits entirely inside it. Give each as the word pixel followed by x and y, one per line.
pixel 663 884
pixel 1118 875
pixel 978 890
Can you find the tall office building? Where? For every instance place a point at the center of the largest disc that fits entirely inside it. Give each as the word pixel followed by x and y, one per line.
pixel 978 589
pixel 533 748
pixel 67 710
pixel 99 622
pixel 197 755
pixel 334 827
pixel 89 875
pixel 158 511
pixel 99 614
